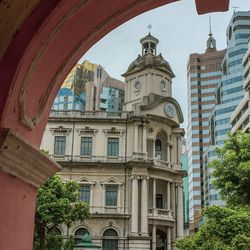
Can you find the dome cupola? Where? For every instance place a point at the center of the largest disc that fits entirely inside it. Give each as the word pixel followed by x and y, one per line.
pixel 149 44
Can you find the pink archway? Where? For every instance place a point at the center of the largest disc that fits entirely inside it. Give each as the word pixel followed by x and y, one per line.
pixel 41 40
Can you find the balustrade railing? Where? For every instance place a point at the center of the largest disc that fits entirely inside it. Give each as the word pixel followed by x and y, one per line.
pixel 87 114
pixel 159 212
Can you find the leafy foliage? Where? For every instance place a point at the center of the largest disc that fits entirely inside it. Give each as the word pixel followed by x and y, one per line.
pixel 232 170
pixel 57 203
pixel 227 228
pixel 224 229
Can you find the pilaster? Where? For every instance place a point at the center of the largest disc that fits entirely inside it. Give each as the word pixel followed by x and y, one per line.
pixel 23 168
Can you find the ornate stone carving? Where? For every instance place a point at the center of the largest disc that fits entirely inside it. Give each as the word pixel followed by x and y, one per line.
pixel 87 131
pixel 60 131
pixel 113 132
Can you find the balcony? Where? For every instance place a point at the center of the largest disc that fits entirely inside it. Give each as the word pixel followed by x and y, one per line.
pixel 160 214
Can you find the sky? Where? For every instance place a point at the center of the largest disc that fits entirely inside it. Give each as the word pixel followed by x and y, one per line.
pixel 180 30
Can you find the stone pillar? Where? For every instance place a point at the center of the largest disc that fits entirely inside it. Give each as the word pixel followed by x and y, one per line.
pixel 23 168
pixel 180 225
pixel 153 149
pixel 154 237
pixel 144 207
pixel 168 153
pixel 169 239
pixel 144 139
pixel 168 196
pixel 173 207
pixel 154 193
pixel 134 207
pixel 136 138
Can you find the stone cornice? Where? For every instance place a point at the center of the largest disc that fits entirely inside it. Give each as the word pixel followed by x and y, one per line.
pixel 23 160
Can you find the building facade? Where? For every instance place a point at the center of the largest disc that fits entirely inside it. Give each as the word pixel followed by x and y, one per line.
pixel 240 118
pixel 88 87
pixel 229 93
pixel 128 164
pixel 203 74
pixel 184 167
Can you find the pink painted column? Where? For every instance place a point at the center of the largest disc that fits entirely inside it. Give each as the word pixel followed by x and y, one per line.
pixel 23 168
pixel 18 202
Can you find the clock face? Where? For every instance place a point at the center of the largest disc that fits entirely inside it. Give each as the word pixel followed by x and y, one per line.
pixel 163 85
pixel 170 110
pixel 137 85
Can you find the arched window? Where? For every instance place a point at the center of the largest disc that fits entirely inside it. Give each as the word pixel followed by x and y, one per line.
pixel 80 232
pixel 110 240
pixel 158 145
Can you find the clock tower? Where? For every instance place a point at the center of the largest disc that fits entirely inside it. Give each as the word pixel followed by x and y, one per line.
pixel 148 75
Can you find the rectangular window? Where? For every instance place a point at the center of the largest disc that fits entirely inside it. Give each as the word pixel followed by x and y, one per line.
pixel 59 146
pixel 86 146
pixel 84 193
pixel 113 147
pixel 111 195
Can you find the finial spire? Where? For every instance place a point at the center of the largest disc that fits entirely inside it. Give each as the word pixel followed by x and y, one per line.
pixel 149 28
pixel 211 43
pixel 210 29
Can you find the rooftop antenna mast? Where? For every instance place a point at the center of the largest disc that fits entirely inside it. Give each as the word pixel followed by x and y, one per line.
pixel 210 30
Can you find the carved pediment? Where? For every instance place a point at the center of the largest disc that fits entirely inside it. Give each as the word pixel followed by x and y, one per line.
pixel 87 131
pixel 85 180
pixel 60 131
pixel 111 181
pixel 113 131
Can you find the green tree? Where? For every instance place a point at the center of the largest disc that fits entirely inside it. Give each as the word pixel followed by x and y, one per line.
pixel 231 169
pixel 224 229
pixel 57 203
pixel 227 228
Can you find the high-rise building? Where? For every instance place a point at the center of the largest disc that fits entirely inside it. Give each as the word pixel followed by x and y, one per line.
pixel 240 118
pixel 88 87
pixel 229 93
pixel 184 167
pixel 128 164
pixel 203 74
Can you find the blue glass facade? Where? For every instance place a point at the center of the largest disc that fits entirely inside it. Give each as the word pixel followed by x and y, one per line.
pixel 67 100
pixel 229 92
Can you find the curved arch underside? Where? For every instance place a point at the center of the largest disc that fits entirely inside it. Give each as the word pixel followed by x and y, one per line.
pixel 43 39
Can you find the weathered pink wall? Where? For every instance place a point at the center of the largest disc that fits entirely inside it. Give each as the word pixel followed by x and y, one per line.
pixel 17 206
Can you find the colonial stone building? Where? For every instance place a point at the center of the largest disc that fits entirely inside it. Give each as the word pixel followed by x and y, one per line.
pixel 128 164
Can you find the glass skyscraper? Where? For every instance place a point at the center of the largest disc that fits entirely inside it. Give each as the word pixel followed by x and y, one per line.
pixel 229 93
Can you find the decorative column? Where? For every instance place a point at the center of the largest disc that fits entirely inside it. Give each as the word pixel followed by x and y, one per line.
pixel 180 225
pixel 168 196
pixel 168 153
pixel 169 240
pixel 23 169
pixel 154 237
pixel 173 207
pixel 136 138
pixel 153 149
pixel 134 207
pixel 144 140
pixel 144 206
pixel 154 196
